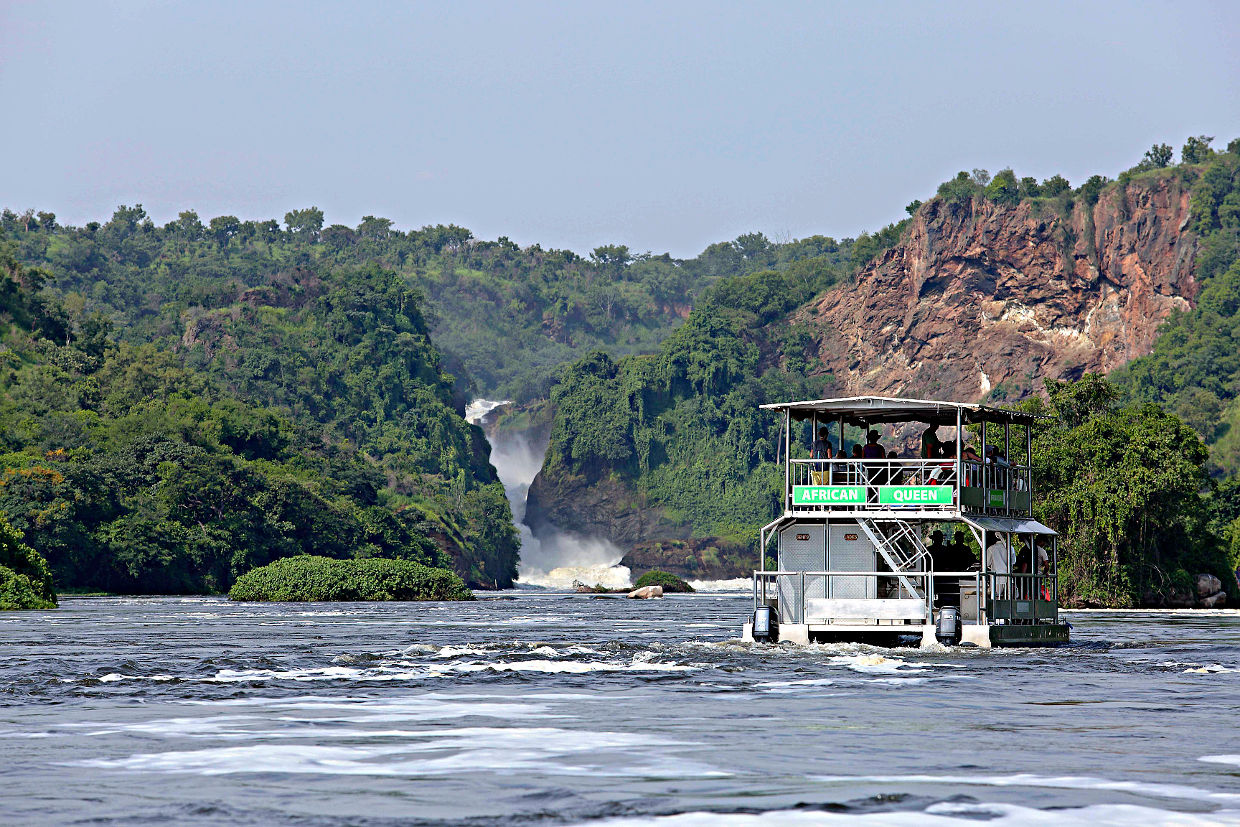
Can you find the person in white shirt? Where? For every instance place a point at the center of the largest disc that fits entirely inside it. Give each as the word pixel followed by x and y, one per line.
pixel 999 561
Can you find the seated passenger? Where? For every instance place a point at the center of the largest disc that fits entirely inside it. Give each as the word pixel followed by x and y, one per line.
pixel 840 473
pixel 895 474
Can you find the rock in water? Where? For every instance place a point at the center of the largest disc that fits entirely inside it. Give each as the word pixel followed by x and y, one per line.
pixel 646 592
pixel 1214 601
pixel 1208 585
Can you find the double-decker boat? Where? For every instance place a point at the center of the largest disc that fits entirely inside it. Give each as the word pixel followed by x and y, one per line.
pixel 852 561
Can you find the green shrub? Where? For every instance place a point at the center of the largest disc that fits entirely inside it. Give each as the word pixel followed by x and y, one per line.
pixel 669 582
pixel 307 578
pixel 25 582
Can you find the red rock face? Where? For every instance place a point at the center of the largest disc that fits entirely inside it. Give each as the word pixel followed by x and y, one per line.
pixel 982 299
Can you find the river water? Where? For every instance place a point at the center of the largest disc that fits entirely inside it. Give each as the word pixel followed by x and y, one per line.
pixel 543 708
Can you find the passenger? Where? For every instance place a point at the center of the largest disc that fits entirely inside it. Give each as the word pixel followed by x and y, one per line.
pixel 999 562
pixel 855 469
pixel 972 467
pixel 939 551
pixel 821 449
pixel 962 555
pixel 930 446
pixel 946 589
pixel 895 475
pixel 872 449
pixel 840 470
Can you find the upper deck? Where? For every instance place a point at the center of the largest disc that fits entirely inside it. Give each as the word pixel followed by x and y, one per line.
pixel 996 481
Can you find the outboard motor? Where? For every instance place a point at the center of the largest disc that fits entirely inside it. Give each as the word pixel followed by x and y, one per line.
pixel 765 625
pixel 948 629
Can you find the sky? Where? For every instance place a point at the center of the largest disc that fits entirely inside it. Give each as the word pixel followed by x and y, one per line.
pixel 663 126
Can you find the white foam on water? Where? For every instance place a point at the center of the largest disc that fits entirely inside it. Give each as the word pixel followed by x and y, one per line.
pixel 1212 669
pixel 607 573
pixel 541 750
pixel 1063 782
pixel 788 687
pixel 874 663
pixel 1005 815
pixel 567 667
pixel 736 584
pixel 1221 759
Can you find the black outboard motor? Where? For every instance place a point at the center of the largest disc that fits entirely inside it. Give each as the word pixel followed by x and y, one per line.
pixel 765 625
pixel 948 629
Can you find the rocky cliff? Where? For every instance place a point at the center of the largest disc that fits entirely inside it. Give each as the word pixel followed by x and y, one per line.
pixel 978 300
pixel 981 299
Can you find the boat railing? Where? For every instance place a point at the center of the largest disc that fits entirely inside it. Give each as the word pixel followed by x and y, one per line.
pixel 803 596
pixel 824 485
pixel 1021 598
pixel 982 597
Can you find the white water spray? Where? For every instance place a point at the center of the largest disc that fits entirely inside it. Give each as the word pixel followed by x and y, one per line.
pixel 558 559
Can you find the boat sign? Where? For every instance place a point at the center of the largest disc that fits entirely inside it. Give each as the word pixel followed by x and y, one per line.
pixel 915 494
pixel 995 498
pixel 828 494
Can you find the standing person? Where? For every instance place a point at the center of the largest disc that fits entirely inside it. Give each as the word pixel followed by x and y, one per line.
pixel 999 561
pixel 872 449
pixel 821 449
pixel 931 448
pixel 961 555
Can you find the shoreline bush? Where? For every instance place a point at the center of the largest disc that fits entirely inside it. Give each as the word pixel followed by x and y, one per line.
pixel 312 579
pixel 25 581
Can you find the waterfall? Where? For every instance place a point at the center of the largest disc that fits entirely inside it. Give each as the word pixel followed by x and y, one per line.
pixel 557 559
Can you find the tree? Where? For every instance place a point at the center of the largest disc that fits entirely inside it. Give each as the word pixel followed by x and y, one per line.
pixel 374 229
pixel 1157 156
pixel 305 224
pixel 223 228
pixel 913 206
pixel 1003 188
pixel 612 256
pixel 1029 187
pixel 1055 185
pixel 981 177
pixel 1196 150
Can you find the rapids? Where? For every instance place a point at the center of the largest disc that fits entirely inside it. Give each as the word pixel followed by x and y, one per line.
pixel 536 707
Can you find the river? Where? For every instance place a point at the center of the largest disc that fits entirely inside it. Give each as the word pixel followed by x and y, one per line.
pixel 534 707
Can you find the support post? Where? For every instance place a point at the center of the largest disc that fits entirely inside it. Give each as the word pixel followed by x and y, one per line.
pixel 787 460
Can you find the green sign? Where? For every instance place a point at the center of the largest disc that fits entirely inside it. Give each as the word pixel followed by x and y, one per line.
pixel 828 495
pixel 915 494
pixel 994 498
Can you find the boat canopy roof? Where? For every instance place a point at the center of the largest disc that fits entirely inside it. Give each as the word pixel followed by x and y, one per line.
pixel 1018 525
pixel 868 410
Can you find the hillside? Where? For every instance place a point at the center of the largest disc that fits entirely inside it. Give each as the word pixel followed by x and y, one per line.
pixel 992 288
pixel 308 418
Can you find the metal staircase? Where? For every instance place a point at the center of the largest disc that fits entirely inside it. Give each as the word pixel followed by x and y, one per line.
pixel 890 538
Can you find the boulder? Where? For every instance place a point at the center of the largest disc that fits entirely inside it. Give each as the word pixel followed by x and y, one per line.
pixel 1214 601
pixel 1207 585
pixel 646 592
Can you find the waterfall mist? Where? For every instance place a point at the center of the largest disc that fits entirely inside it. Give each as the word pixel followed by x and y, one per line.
pixel 558 558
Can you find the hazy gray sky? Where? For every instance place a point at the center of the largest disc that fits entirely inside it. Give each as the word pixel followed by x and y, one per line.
pixel 664 126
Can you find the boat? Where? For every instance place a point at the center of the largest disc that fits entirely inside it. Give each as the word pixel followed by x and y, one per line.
pixel 851 561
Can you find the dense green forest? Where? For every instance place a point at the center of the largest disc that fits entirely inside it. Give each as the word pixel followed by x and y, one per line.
pixel 507 318
pixel 316 422
pixel 682 427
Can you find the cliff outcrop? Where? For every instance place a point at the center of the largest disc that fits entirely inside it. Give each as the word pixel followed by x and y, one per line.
pixel 978 300
pixel 985 299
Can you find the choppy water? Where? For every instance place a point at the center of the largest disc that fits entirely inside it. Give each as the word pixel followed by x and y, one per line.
pixel 538 708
